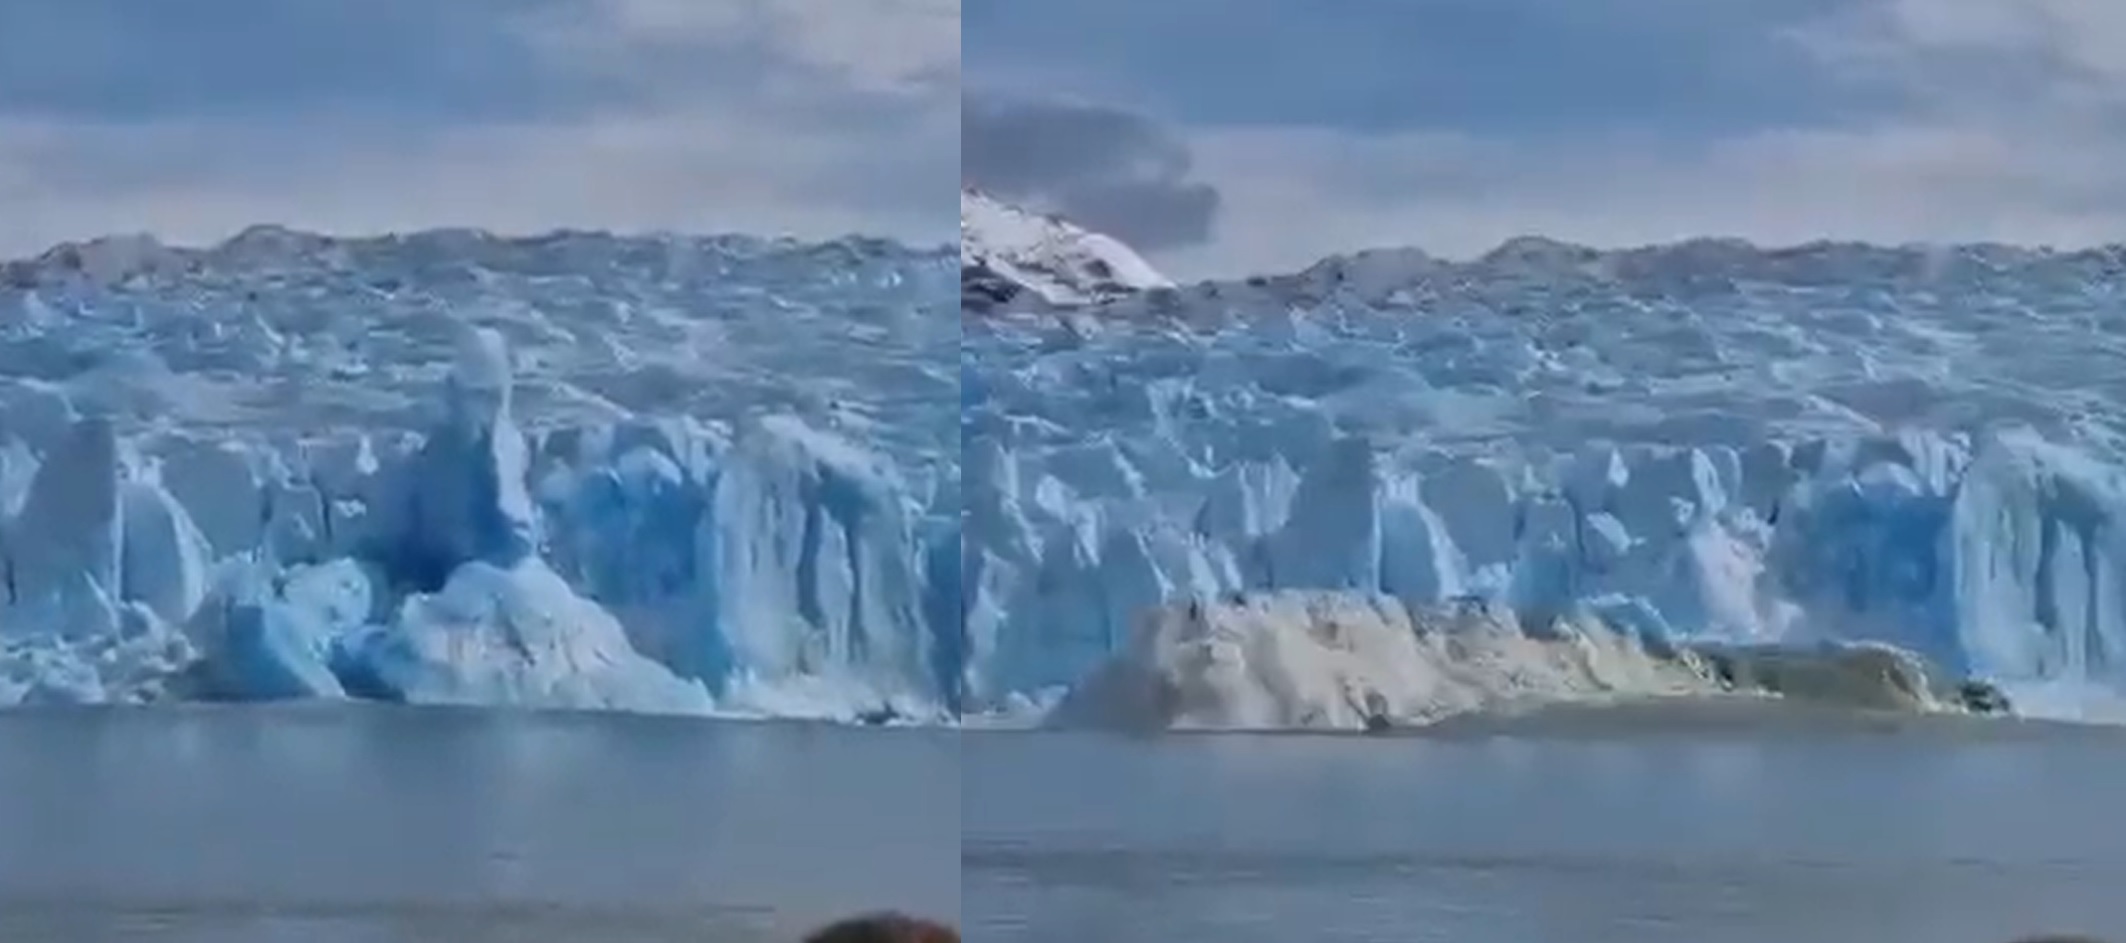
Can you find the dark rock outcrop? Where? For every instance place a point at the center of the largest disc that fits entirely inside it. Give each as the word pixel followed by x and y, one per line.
pixel 885 928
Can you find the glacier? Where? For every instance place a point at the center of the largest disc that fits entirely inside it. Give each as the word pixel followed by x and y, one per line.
pixel 1705 443
pixel 697 475
pixel 746 477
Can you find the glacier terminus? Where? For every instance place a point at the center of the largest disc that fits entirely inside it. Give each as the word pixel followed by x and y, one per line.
pixel 747 477
pixel 1894 462
pixel 660 474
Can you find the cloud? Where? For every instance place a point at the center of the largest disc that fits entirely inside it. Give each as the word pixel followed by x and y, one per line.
pixel 1613 122
pixel 890 47
pixel 1681 67
pixel 2000 61
pixel 752 115
pixel 1111 169
pixel 1460 195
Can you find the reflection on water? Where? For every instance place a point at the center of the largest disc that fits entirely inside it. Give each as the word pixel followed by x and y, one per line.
pixel 333 824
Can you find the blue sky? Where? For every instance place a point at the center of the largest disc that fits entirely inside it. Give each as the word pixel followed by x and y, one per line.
pixel 1240 135
pixel 193 120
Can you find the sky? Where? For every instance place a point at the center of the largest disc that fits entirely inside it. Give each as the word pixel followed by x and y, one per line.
pixel 191 121
pixel 1225 137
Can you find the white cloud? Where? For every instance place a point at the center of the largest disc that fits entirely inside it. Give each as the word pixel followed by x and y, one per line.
pixel 2011 130
pixel 1291 197
pixel 2087 34
pixel 876 45
pixel 881 44
pixel 693 171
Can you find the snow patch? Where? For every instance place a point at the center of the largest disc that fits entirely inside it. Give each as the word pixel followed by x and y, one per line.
pixel 1009 256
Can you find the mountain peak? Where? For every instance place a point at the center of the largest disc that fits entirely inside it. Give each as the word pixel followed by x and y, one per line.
pixel 1012 256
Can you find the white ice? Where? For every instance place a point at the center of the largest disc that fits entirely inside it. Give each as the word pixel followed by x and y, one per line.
pixel 1331 660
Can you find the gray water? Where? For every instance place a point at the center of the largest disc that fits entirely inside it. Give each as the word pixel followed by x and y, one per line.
pixel 1827 829
pixel 345 825
pixel 364 826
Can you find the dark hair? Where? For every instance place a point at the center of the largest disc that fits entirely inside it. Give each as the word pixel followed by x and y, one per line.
pixel 885 928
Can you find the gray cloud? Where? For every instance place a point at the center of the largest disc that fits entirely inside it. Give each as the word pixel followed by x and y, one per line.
pixel 1116 171
pixel 811 118
pixel 1603 121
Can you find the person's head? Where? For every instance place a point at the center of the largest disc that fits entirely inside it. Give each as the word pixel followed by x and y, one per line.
pixel 885 928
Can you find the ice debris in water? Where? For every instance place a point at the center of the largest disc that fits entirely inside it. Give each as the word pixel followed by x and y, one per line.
pixel 1350 661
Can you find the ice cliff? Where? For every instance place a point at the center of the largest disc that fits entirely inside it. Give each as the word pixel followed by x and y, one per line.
pixel 747 476
pixel 1706 442
pixel 577 471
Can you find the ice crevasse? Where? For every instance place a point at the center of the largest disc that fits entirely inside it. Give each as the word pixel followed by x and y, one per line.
pixel 649 565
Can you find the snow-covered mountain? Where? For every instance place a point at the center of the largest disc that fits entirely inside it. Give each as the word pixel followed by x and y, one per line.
pixel 1012 257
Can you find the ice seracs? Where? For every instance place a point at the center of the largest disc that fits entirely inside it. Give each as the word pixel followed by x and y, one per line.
pixel 68 537
pixel 515 634
pixel 1725 446
pixel 1011 257
pixel 445 602
pixel 572 471
pixel 481 619
pixel 96 566
pixel 766 479
pixel 463 496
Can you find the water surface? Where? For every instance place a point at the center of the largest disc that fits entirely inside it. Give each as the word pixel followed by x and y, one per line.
pixel 1574 830
pixel 337 825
